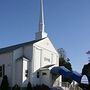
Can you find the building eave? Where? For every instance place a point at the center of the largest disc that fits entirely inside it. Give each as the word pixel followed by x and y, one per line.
pixel 13 47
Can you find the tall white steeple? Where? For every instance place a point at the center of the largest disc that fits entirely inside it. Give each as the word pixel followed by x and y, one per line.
pixel 41 33
pixel 41 22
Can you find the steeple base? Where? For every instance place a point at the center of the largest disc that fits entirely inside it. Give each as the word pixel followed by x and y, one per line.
pixel 40 35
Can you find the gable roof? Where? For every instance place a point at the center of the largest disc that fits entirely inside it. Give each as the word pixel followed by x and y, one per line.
pixel 11 48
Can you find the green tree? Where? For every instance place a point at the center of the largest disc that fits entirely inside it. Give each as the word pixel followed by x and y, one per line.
pixel 86 71
pixel 63 61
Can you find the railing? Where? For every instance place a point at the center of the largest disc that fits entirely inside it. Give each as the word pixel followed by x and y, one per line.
pixel 68 86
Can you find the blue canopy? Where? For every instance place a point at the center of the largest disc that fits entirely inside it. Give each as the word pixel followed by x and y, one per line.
pixel 61 70
pixel 76 76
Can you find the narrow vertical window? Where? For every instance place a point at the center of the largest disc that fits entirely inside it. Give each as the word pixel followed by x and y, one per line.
pixel 3 69
pixel 0 71
pixel 37 74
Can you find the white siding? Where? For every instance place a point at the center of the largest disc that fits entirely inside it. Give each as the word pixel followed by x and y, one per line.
pixel 46 58
pixel 28 51
pixel 36 64
pixel 54 60
pixel 46 44
pixel 44 54
pixel 18 72
pixel 37 59
pixel 16 55
pixel 46 79
pixel 25 67
pixel 49 55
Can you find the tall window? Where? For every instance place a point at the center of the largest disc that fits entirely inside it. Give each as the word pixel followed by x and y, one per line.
pixel 2 70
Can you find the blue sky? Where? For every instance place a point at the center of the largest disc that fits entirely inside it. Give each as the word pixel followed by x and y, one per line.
pixel 67 23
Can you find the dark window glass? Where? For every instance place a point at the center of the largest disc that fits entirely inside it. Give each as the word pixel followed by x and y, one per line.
pixel 44 73
pixel 0 68
pixel 3 70
pixel 37 74
pixel 0 71
pixel 26 73
pixel 0 74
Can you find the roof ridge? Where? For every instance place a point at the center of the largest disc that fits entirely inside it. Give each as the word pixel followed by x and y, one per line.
pixel 13 47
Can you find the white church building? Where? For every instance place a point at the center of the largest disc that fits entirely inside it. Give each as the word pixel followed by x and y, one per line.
pixel 30 61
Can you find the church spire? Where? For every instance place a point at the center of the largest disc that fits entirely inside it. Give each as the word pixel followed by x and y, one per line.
pixel 41 34
pixel 41 22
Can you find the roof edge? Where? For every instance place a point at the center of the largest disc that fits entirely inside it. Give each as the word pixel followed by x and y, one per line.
pixel 13 47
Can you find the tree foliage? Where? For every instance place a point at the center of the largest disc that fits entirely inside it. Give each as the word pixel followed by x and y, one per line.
pixel 67 64
pixel 86 71
pixel 41 87
pixel 29 86
pixel 4 83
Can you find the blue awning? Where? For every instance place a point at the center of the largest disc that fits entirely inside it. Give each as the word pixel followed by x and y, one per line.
pixel 76 76
pixel 61 71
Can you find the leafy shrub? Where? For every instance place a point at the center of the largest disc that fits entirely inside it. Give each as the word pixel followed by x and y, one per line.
pixel 41 87
pixel 4 83
pixel 29 86
pixel 44 87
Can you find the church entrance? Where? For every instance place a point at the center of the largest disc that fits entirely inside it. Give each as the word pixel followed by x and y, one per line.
pixel 45 77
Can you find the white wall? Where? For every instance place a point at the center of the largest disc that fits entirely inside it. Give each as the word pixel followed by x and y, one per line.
pixel 23 51
pixel 44 54
pixel 49 55
pixel 40 54
pixel 18 71
pixel 36 64
pixel 57 82
pixel 25 68
pixel 28 51
pixel 37 59
pixel 46 79
pixel 46 58
pixel 16 55
pixel 6 59
pixel 46 44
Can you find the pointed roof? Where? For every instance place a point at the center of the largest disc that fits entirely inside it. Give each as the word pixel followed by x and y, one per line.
pixel 41 33
pixel 13 47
